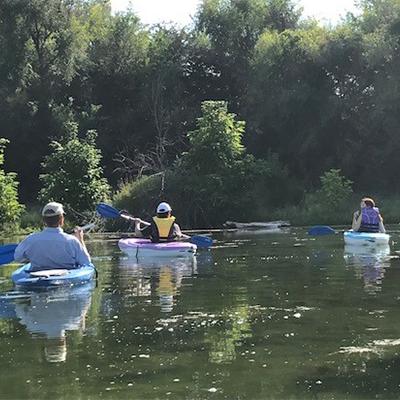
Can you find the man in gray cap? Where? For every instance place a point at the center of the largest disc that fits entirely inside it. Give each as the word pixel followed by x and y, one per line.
pixel 52 248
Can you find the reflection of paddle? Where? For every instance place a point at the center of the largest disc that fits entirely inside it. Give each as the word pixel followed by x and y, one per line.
pixel 107 211
pixel 7 251
pixel 321 230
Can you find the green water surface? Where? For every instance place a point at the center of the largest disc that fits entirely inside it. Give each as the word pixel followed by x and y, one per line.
pixel 259 316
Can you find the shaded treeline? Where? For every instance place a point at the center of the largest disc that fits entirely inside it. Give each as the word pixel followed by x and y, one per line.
pixel 317 97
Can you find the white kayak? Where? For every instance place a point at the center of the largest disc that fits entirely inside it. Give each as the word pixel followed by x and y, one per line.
pixel 146 248
pixel 366 238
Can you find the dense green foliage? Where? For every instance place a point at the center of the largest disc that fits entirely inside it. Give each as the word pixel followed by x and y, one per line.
pixel 10 208
pixel 312 98
pixel 215 179
pixel 335 190
pixel 73 175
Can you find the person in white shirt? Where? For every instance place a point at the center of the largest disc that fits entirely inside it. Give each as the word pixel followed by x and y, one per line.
pixel 52 248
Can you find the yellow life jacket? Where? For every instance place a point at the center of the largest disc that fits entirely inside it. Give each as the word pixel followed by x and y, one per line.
pixel 164 227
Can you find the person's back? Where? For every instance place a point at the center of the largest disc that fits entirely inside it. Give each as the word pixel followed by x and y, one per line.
pixel 369 219
pixel 52 248
pixel 162 227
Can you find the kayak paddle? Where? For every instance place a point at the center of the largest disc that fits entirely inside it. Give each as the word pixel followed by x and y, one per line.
pixel 107 211
pixel 321 230
pixel 110 212
pixel 7 251
pixel 201 241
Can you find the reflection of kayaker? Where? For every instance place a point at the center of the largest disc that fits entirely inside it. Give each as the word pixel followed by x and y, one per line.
pixel 156 276
pixel 50 314
pixel 56 349
pixel 166 289
pixel 369 263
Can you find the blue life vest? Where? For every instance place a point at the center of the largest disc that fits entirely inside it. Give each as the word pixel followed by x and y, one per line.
pixel 369 219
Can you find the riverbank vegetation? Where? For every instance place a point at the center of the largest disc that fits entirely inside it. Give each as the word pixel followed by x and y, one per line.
pixel 250 113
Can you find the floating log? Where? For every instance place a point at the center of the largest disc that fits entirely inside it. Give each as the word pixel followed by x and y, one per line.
pixel 257 225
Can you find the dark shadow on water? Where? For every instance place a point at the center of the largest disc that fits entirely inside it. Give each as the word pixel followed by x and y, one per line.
pixel 354 377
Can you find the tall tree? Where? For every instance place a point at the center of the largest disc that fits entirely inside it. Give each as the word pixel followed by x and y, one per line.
pixel 234 27
pixel 45 58
pixel 288 98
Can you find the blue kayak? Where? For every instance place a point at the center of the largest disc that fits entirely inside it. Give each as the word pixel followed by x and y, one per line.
pixel 53 277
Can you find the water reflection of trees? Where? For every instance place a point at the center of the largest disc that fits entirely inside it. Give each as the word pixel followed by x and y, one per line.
pixel 369 264
pixel 224 342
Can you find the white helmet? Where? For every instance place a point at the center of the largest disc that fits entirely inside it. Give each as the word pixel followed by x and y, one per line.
pixel 163 208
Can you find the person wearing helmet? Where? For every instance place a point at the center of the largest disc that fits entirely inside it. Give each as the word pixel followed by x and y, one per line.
pixel 368 219
pixel 162 228
pixel 52 248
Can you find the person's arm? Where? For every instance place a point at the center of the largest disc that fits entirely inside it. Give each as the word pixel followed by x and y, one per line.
pixel 141 231
pixel 20 252
pixel 78 233
pixel 381 226
pixel 139 225
pixel 178 233
pixel 357 217
pixel 83 256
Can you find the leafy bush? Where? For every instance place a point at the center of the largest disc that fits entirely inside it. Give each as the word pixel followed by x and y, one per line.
pixel 331 204
pixel 10 208
pixel 335 190
pixel 140 196
pixel 73 175
pixel 31 218
pixel 217 141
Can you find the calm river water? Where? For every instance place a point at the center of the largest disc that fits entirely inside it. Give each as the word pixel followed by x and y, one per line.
pixel 259 316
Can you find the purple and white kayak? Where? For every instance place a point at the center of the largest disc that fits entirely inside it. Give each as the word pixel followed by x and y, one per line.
pixel 146 248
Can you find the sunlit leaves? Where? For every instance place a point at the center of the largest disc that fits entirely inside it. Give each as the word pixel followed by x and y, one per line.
pixel 73 175
pixel 10 208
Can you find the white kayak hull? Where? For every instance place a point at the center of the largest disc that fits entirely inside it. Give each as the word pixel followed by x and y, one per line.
pixel 145 248
pixel 366 239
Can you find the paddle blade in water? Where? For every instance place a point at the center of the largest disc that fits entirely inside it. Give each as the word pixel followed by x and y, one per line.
pixel 7 253
pixel 320 230
pixel 201 241
pixel 107 211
